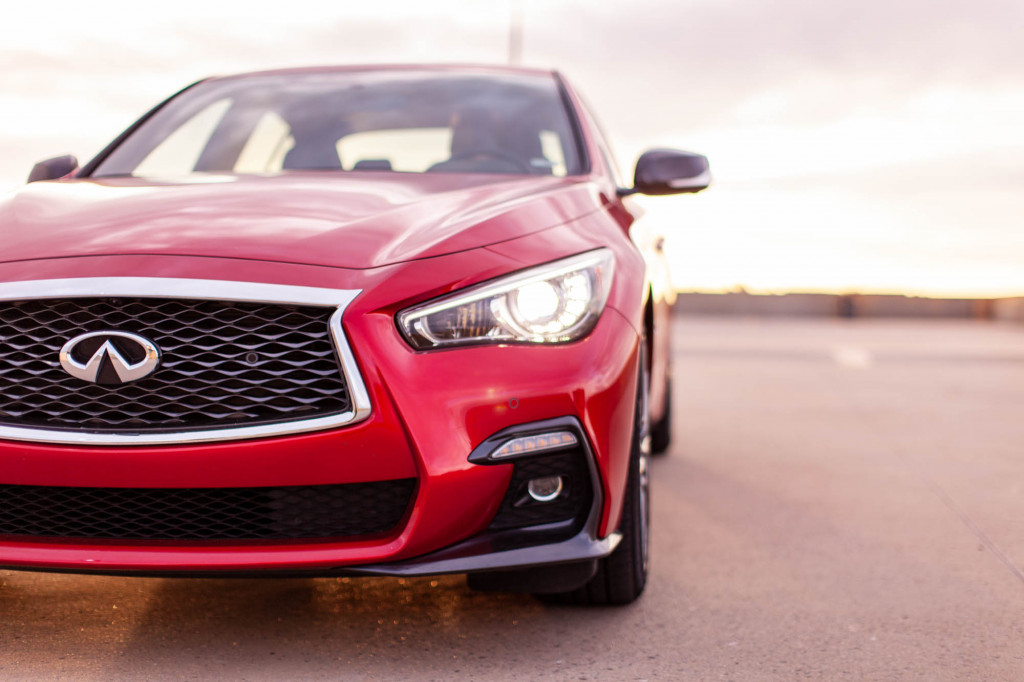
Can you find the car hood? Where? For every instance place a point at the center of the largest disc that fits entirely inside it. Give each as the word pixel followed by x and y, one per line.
pixel 352 220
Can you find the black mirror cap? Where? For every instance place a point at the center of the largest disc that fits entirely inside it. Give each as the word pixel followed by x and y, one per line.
pixel 54 168
pixel 668 171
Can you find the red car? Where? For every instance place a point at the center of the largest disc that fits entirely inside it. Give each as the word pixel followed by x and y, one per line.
pixel 343 321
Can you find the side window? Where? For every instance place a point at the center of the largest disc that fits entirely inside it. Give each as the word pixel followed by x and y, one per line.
pixel 602 143
pixel 551 146
pixel 264 151
pixel 412 150
pixel 179 152
pixel 613 166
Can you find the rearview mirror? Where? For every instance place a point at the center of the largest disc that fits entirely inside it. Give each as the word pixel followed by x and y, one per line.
pixel 52 169
pixel 667 171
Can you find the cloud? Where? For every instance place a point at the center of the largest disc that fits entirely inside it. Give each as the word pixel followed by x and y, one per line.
pixel 652 68
pixel 692 65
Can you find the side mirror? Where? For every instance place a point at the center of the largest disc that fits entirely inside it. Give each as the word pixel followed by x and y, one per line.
pixel 52 169
pixel 667 171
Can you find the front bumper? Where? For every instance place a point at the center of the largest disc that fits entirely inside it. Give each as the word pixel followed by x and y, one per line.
pixel 572 541
pixel 429 411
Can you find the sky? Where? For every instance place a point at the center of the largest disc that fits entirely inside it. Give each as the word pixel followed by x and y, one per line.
pixel 856 146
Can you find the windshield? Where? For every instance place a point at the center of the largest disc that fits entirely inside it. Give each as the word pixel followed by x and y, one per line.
pixel 388 120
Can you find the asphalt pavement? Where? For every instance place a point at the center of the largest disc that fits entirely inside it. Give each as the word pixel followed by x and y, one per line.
pixel 843 500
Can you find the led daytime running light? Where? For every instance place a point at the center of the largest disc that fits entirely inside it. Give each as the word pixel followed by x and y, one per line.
pixel 543 442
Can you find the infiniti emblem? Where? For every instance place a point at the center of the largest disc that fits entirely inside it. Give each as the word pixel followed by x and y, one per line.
pixel 109 357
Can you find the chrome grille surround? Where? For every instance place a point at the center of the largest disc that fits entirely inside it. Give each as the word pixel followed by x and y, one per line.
pixel 202 290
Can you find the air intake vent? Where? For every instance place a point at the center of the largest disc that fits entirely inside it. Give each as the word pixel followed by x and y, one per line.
pixel 298 512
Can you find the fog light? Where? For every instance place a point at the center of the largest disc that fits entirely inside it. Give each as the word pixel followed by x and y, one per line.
pixel 545 489
pixel 539 443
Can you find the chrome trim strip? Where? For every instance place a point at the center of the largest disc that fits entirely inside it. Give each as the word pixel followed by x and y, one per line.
pixel 167 287
pixel 210 290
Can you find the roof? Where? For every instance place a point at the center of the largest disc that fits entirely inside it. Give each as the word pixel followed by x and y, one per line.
pixel 495 69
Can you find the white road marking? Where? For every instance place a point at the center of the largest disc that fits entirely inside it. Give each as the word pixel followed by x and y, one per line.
pixel 853 357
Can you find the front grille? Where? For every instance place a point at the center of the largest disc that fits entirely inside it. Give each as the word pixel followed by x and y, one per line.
pixel 295 512
pixel 223 364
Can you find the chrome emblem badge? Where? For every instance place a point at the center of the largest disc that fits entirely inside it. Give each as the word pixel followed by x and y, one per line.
pixel 109 358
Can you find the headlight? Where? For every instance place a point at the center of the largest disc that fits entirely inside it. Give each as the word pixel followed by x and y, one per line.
pixel 553 303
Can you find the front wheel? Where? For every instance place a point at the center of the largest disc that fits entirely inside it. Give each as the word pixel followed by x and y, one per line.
pixel 661 430
pixel 622 575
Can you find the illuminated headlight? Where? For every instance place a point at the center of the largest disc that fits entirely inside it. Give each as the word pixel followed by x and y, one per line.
pixel 553 303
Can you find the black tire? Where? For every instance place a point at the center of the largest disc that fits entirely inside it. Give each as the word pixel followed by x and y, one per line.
pixel 622 576
pixel 661 430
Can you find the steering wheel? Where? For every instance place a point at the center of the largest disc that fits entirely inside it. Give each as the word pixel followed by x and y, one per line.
pixel 486 152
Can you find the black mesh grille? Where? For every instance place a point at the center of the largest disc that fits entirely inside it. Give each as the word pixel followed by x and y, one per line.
pixel 223 364
pixel 320 511
pixel 518 509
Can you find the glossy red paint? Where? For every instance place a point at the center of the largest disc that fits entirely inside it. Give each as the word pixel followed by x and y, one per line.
pixel 430 410
pixel 455 499
pixel 400 239
pixel 295 217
